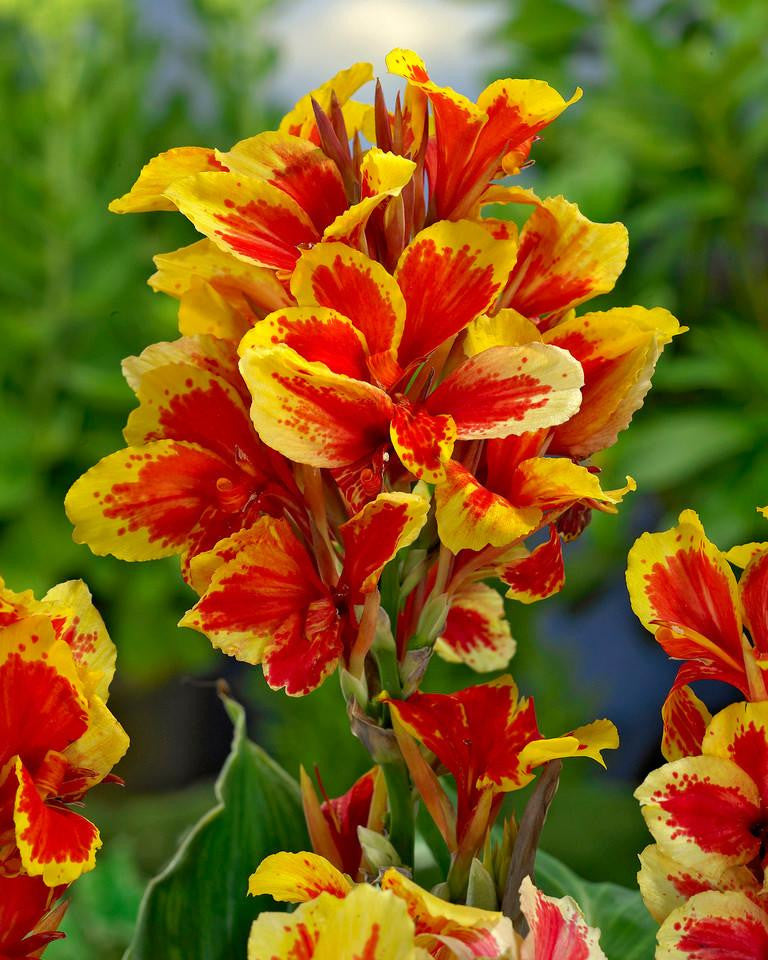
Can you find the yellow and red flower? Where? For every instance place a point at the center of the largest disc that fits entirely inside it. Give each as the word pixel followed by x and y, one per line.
pixel 440 929
pixel 684 591
pixel 194 471
pixel 715 926
pixel 57 737
pixel 489 741
pixel 263 599
pixel 329 379
pixel 474 143
pixel 708 813
pixel 29 917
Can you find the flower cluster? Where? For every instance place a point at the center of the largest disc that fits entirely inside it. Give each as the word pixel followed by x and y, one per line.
pixel 57 740
pixel 704 878
pixel 398 919
pixel 382 398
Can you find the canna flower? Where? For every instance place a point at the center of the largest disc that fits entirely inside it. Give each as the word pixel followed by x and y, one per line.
pixel 194 471
pixel 263 599
pixel 715 926
pixel 57 737
pixel 329 379
pixel 708 813
pixel 684 591
pixel 475 143
pixel 440 929
pixel 28 917
pixel 513 493
pixel 489 741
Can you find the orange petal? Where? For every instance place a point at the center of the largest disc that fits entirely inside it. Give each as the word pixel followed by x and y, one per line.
pixel 682 588
pixel 558 930
pixel 336 276
pixel 318 335
pixel 552 483
pixel 685 721
pixel 423 442
pixel 53 842
pixel 477 632
pixel 310 414
pixel 449 274
pixel 618 350
pixel 146 502
pixel 539 575
pixel 564 259
pixel 469 516
pixel 753 587
pixel 376 533
pixel 297 167
pixel 148 193
pixel 714 925
pixel 510 390
pixel 251 219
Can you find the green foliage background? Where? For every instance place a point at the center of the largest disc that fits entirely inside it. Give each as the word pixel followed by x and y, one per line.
pixel 671 137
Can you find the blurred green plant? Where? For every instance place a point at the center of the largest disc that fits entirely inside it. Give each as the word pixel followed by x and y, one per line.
pixel 87 95
pixel 672 138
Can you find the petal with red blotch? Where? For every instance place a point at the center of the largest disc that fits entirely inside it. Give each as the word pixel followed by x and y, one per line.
pixel 476 631
pixel 297 877
pixel 182 402
pixel 317 334
pixel 557 928
pixel 53 842
pixel 229 277
pixel 510 390
pixel 680 581
pixel 422 441
pixel 209 353
pixel 310 414
pixel 300 120
pixel 552 483
pixel 539 575
pixel 148 193
pixel 98 750
pixel 248 218
pixel 740 733
pixel 449 274
pixel 480 933
pixel 336 276
pixel 297 167
pixel 702 812
pixel 516 111
pixel 685 720
pixel 666 884
pixel 77 621
pixel 753 587
pixel 374 536
pixel 714 926
pixel 564 259
pixel 368 924
pixel 469 516
pixel 146 502
pixel 618 350
pixel 263 602
pixel 741 555
pixel 27 919
pixel 382 175
pixel 41 690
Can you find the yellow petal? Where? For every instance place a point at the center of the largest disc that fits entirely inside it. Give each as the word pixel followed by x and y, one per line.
pixel 148 193
pixel 297 877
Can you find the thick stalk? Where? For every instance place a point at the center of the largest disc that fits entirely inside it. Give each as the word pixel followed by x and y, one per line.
pixel 401 820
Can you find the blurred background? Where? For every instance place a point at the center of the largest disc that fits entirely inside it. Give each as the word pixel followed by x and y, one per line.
pixel 671 137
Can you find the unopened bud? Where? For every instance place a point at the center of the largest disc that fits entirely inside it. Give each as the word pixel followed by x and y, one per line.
pixel 353 688
pixel 377 850
pixel 432 621
pixel 481 890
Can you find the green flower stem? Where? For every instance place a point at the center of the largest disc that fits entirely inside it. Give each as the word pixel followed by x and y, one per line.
pixel 401 820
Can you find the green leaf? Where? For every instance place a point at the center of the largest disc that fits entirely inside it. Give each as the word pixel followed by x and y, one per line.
pixel 198 907
pixel 628 932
